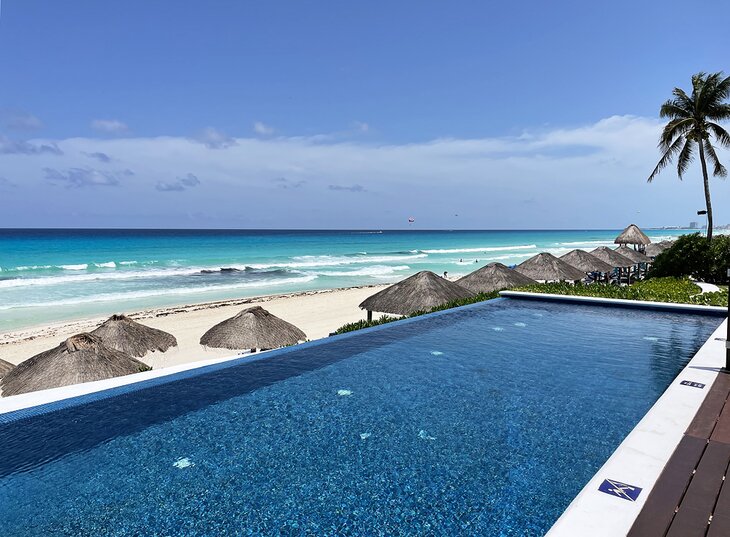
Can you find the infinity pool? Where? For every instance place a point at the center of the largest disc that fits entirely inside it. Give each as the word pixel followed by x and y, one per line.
pixel 486 420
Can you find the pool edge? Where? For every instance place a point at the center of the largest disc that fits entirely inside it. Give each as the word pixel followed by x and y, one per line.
pixel 640 458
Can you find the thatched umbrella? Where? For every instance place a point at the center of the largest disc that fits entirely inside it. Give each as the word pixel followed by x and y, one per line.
pixel 81 358
pixel 655 248
pixel 5 367
pixel 253 328
pixel 633 235
pixel 612 257
pixel 123 334
pixel 420 292
pixel 493 277
pixel 586 262
pixel 547 267
pixel 636 257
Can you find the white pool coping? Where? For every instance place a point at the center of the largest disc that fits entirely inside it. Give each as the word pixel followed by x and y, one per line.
pixel 53 395
pixel 641 457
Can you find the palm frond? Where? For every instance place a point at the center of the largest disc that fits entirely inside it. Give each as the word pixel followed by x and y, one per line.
pixel 685 158
pixel 718 112
pixel 718 169
pixel 720 134
pixel 674 109
pixel 667 156
pixel 723 87
pixel 674 129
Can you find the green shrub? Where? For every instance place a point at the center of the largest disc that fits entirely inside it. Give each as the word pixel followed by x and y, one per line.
pixel 691 255
pixel 676 290
pixel 358 325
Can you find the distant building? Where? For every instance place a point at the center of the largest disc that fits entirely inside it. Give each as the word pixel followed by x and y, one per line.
pixel 693 225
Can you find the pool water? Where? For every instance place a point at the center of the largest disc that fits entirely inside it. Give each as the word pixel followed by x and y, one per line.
pixel 486 420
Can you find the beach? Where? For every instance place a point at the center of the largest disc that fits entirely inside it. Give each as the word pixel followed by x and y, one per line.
pixel 317 313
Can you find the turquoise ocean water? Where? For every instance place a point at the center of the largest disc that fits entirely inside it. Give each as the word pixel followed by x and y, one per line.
pixel 56 275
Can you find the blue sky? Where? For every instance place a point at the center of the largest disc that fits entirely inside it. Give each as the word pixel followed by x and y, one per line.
pixel 344 114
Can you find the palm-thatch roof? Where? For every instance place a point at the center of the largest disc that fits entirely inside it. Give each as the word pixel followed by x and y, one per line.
pixel 655 248
pixel 252 328
pixel 5 368
pixel 493 277
pixel 586 262
pixel 81 358
pixel 420 292
pixel 547 267
pixel 612 257
pixel 123 334
pixel 632 235
pixel 636 257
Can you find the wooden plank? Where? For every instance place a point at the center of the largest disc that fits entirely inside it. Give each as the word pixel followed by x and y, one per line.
pixel 706 418
pixel 689 522
pixel 720 526
pixel 658 511
pixel 722 508
pixel 722 429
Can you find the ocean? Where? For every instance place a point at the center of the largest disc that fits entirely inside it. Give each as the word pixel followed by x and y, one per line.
pixel 57 275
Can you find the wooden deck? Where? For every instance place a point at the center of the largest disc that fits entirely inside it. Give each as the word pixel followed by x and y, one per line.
pixel 692 496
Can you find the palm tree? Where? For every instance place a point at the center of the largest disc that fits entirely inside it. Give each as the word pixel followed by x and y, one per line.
pixel 693 122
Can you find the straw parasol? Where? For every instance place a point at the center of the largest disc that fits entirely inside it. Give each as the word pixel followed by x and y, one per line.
pixel 636 257
pixel 123 334
pixel 632 235
pixel 420 292
pixel 586 262
pixel 612 257
pixel 493 277
pixel 655 248
pixel 547 267
pixel 252 328
pixel 5 367
pixel 81 358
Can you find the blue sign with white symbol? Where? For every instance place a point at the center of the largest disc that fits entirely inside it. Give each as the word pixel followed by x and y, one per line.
pixel 622 490
pixel 693 384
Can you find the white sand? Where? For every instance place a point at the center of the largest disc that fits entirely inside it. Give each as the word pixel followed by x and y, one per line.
pixel 317 313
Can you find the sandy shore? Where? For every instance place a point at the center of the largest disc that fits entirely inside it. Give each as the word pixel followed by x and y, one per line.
pixel 317 313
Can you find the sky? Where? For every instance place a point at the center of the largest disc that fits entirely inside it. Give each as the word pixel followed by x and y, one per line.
pixel 330 114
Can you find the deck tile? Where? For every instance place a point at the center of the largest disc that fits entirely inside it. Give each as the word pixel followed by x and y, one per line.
pixel 689 522
pixel 720 526
pixel 658 511
pixel 706 418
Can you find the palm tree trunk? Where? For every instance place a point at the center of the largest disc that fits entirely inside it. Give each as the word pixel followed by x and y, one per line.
pixel 708 203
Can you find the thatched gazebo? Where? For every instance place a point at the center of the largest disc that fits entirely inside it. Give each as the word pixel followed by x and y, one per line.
pixel 5 368
pixel 123 334
pixel 586 262
pixel 655 248
pixel 253 328
pixel 547 267
pixel 612 257
pixel 493 277
pixel 81 358
pixel 633 235
pixel 636 257
pixel 420 292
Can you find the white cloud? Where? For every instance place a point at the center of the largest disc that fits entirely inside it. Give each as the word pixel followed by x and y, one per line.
pixel 109 126
pixel 263 129
pixel 180 184
pixel 584 177
pixel 22 121
pixel 216 139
